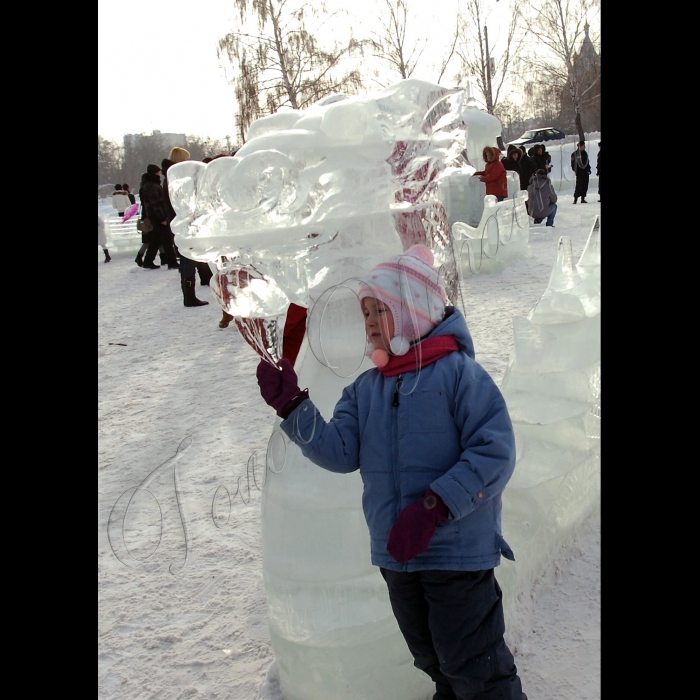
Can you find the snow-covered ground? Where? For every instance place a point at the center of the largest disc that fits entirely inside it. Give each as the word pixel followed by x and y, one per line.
pixel 182 613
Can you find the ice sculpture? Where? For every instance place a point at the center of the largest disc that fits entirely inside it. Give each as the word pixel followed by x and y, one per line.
pixel 307 206
pixel 487 234
pixel 483 129
pixel 552 388
pixel 501 235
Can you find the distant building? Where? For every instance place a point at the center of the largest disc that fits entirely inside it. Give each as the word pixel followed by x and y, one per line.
pixel 587 71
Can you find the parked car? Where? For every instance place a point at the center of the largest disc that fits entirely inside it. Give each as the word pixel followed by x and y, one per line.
pixel 546 133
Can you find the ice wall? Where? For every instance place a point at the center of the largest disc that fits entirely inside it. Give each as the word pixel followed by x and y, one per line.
pixel 501 233
pixel 552 388
pixel 307 206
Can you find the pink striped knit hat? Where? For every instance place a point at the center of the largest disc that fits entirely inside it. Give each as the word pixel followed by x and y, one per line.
pixel 411 287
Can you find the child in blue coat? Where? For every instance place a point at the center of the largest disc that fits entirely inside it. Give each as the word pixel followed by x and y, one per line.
pixel 430 433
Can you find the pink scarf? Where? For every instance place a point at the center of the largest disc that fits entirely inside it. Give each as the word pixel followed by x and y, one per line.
pixel 428 351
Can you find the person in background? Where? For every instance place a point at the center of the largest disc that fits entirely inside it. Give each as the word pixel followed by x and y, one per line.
pixel 597 169
pixel 188 268
pixel 145 237
pixel 542 198
pixel 120 200
pixel 527 167
pixel 513 161
pixel 154 207
pixel 102 238
pixel 541 160
pixel 430 433
pixel 581 166
pixel 493 174
pixel 132 198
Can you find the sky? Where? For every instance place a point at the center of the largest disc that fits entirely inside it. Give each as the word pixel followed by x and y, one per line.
pixel 158 69
pixel 179 412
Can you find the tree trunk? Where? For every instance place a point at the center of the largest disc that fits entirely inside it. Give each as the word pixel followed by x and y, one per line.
pixel 579 128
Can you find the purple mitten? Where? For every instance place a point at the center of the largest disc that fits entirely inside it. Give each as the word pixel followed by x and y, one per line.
pixel 279 387
pixel 415 527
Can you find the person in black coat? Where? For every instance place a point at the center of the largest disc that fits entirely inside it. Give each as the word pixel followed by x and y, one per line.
pixel 581 166
pixel 597 169
pixel 127 189
pixel 146 238
pixel 512 161
pixel 541 160
pixel 154 206
pixel 527 167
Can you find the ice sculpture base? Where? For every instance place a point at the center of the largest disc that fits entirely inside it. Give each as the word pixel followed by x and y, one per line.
pixel 305 669
pixel 500 238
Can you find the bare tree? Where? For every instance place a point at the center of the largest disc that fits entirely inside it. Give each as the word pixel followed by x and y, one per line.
pixel 395 46
pixel 201 148
pixel 488 59
pixel 390 45
pixel 282 62
pixel 560 26
pixel 110 162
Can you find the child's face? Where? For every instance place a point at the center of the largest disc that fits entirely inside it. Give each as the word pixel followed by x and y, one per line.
pixel 379 323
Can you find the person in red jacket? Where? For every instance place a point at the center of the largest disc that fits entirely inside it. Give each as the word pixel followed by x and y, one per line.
pixel 494 173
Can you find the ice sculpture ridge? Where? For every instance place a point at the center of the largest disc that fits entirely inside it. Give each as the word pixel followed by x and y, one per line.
pixel 552 388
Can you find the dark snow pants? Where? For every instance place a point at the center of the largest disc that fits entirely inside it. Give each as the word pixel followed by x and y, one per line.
pixel 453 624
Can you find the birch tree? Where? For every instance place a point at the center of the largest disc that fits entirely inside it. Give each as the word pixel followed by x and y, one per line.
pixel 560 27
pixel 398 44
pixel 280 59
pixel 488 58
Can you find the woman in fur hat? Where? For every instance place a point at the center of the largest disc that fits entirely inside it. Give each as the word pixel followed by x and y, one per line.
pixel 494 174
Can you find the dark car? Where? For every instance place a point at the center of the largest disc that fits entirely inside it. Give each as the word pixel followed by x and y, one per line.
pixel 547 133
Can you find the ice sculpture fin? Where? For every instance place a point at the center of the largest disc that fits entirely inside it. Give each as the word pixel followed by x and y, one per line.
pixel 590 258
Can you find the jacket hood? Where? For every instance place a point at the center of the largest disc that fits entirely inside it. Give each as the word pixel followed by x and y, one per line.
pixel 492 150
pixel 455 324
pixel 511 151
pixel 538 181
pixel 165 164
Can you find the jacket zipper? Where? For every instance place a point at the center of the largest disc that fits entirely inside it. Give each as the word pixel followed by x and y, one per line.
pixel 395 443
pixel 399 382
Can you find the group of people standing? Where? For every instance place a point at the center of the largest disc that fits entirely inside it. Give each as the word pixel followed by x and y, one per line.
pixel 533 166
pixel 158 209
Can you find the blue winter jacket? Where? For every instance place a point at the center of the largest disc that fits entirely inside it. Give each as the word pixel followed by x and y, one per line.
pixel 445 427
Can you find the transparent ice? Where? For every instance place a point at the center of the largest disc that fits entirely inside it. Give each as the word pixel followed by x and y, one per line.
pixel 308 205
pixel 552 388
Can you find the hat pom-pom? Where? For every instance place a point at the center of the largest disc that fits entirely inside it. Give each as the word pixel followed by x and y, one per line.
pixel 399 345
pixel 380 357
pixel 422 253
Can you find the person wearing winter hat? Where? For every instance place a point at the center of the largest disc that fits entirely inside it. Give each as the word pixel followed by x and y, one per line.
pixel 542 197
pixel 493 174
pixel 430 433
